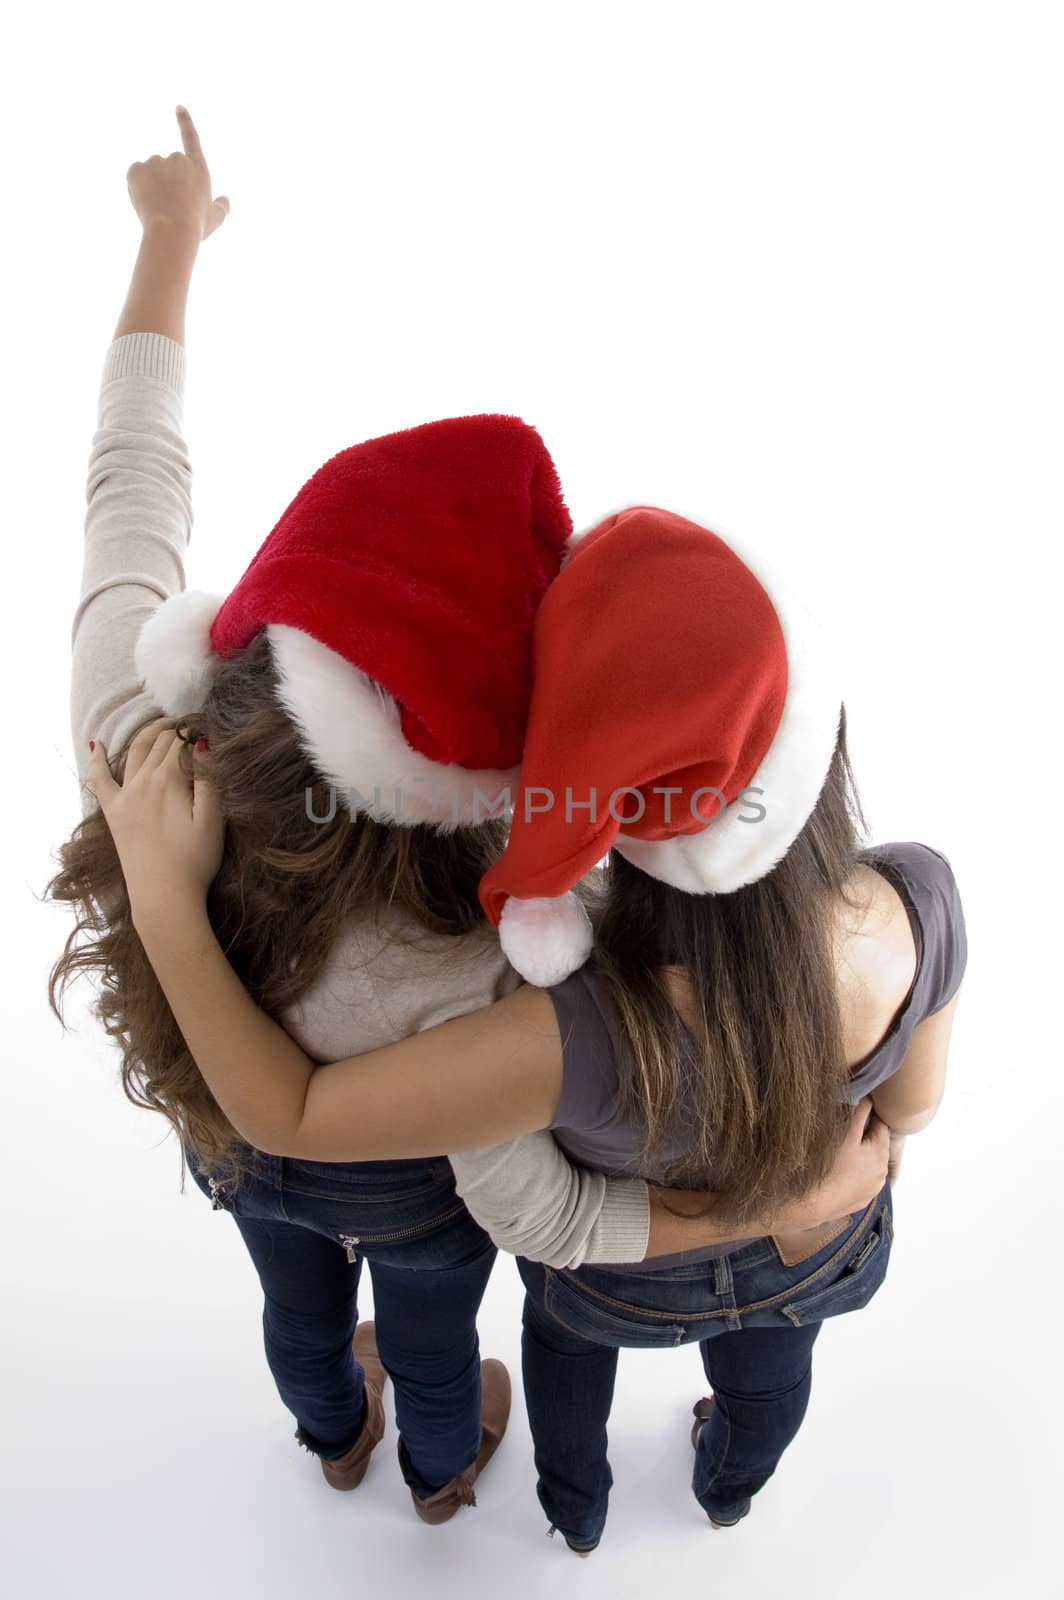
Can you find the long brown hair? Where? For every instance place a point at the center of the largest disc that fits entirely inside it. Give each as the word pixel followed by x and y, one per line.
pixel 289 882
pixel 749 1101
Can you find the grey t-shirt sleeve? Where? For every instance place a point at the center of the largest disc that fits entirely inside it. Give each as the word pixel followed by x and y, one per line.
pixel 590 1049
pixel 928 884
pixel 946 948
pixel 925 880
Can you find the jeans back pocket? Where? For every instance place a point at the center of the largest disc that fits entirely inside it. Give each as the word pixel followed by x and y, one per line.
pixel 609 1322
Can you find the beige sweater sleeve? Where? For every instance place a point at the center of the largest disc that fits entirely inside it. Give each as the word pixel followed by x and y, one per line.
pixel 526 1194
pixel 534 1202
pixel 137 527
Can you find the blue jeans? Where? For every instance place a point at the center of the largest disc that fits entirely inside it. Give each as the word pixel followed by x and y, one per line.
pixel 307 1226
pixel 755 1319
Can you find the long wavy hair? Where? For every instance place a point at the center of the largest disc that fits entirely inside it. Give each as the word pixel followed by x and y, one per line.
pixel 748 1099
pixel 289 882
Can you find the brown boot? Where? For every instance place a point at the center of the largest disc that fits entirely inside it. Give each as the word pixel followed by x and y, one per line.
pixel 348 1470
pixel 494 1415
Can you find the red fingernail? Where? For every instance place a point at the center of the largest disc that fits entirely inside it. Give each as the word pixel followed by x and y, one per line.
pixel 92 744
pixel 201 744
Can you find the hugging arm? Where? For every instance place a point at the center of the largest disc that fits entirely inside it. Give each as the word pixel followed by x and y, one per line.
pixel 533 1201
pixel 475 1085
pixel 478 1081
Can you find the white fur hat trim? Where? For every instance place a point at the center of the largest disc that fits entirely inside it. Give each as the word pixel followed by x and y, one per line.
pixel 173 652
pixel 351 732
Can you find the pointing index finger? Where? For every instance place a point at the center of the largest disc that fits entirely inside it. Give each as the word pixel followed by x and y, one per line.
pixel 189 136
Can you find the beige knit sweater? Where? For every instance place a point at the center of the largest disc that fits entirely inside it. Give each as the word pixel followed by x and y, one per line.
pixel 525 1193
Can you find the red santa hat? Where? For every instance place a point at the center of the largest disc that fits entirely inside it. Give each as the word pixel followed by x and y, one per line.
pixel 398 591
pixel 683 713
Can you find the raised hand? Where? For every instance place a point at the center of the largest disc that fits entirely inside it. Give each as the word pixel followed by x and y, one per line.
pixel 177 187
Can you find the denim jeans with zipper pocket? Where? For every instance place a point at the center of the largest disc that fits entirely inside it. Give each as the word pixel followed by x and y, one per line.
pixel 307 1226
pixel 755 1313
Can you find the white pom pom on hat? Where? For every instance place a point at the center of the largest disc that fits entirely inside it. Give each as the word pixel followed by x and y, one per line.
pixel 545 940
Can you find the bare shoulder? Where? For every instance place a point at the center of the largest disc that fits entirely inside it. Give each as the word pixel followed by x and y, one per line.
pixel 875 960
pixel 875 963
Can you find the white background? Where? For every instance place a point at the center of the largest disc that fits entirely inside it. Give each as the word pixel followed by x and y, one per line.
pixel 793 269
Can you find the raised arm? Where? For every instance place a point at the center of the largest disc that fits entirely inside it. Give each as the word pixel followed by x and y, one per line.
pixel 138 491
pixel 138 518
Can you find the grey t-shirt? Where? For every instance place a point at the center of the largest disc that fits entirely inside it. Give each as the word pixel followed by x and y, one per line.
pixel 589 1123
